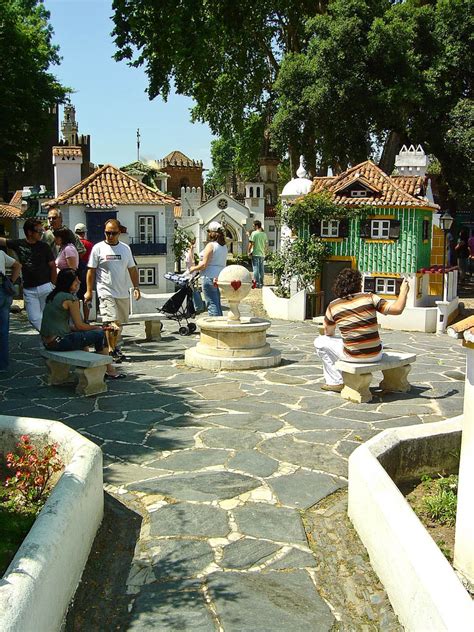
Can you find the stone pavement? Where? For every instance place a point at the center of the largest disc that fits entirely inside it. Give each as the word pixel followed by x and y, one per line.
pixel 223 467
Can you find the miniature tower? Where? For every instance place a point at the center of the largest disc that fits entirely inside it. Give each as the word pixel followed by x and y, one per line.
pixel 69 126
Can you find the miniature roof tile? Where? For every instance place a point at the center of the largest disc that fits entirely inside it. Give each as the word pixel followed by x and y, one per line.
pixel 107 187
pixel 177 158
pixel 67 151
pixel 12 212
pixel 17 198
pixel 393 191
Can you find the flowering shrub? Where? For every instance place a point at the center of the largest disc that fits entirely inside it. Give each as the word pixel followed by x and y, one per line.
pixel 33 468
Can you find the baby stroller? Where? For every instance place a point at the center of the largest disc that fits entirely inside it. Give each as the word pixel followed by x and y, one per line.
pixel 181 306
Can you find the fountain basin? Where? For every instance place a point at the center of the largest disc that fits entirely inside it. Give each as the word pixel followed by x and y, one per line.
pixel 232 345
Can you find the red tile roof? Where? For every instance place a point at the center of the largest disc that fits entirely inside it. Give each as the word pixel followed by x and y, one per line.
pixel 388 191
pixel 16 198
pixel 108 187
pixel 12 212
pixel 67 151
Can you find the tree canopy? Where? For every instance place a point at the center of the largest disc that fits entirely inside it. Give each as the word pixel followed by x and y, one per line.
pixel 336 80
pixel 28 88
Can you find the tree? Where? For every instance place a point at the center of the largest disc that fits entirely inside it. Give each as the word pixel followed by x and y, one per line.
pixel 226 55
pixel 28 89
pixel 376 73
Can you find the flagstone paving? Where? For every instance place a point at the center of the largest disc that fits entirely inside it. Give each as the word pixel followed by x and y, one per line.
pixel 223 467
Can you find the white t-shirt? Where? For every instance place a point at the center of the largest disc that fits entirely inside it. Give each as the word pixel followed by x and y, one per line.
pixel 5 261
pixel 112 264
pixel 217 260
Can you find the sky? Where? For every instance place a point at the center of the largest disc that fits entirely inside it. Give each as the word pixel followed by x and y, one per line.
pixel 110 98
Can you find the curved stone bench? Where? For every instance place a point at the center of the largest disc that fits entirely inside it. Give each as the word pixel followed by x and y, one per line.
pixel 43 576
pixel 358 376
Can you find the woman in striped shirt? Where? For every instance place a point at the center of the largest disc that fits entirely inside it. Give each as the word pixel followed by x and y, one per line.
pixel 355 313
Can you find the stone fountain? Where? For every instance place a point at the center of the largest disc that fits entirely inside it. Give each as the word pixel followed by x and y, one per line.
pixel 233 342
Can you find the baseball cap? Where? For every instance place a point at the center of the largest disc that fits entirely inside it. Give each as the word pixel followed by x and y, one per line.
pixel 80 228
pixel 215 226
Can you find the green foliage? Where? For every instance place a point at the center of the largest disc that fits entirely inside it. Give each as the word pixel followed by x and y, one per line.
pixel 181 242
pixel 441 502
pixel 303 259
pixel 235 153
pixel 314 206
pixel 28 89
pixel 242 260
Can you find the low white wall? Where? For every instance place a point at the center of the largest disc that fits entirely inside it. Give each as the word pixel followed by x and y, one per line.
pixel 42 578
pixel 293 308
pixel 422 586
pixel 413 319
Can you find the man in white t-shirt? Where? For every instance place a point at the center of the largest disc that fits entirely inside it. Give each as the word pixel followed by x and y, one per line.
pixel 112 266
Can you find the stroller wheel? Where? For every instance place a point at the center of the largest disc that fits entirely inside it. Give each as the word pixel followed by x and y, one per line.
pixel 183 331
pixel 192 327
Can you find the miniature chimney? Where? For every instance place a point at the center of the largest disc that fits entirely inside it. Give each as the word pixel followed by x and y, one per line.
pixel 411 162
pixel 67 163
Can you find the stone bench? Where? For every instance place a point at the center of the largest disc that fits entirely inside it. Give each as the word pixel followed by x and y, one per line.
pixel 89 367
pixel 143 310
pixel 357 376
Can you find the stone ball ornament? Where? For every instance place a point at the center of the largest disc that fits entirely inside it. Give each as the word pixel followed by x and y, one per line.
pixel 234 283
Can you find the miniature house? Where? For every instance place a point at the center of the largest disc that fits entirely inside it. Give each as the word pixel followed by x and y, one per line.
pixel 390 240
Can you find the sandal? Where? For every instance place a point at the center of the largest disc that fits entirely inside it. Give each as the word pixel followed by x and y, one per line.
pixel 116 376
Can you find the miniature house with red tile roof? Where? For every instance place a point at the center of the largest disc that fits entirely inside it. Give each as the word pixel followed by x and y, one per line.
pixel 109 193
pixel 390 240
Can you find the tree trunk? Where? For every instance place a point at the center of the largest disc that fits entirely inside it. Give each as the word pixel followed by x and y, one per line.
pixel 390 150
pixel 294 160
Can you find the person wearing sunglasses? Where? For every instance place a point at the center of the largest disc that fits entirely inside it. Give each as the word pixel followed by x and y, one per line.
pixel 38 268
pixel 112 266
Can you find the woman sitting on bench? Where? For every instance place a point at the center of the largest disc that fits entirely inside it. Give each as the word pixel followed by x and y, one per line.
pixel 62 306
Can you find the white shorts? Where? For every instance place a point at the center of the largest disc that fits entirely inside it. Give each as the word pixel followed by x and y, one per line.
pixel 114 309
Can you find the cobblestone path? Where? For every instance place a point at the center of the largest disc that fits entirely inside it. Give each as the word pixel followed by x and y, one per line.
pixel 222 467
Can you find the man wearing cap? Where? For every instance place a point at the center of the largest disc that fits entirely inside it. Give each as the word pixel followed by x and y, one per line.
pixel 80 231
pixel 55 220
pixel 111 263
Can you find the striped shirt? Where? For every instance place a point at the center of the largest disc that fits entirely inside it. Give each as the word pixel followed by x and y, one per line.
pixel 357 320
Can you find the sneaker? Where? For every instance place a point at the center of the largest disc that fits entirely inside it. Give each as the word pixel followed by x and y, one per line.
pixel 336 388
pixel 117 356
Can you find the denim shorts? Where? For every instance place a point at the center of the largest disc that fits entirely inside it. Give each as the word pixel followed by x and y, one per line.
pixel 78 340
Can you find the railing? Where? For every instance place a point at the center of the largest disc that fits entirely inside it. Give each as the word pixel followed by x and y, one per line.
pixel 157 247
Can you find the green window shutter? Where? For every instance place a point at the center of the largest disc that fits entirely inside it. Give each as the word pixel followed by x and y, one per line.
pixel 365 228
pixel 344 228
pixel 395 225
pixel 369 284
pixel 315 228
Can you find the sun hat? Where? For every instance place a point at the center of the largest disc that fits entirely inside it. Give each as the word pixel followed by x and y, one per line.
pixel 80 228
pixel 215 226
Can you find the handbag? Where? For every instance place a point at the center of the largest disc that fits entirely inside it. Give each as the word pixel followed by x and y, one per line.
pixel 8 286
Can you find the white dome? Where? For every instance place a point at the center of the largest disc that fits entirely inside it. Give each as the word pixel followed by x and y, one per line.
pixel 297 187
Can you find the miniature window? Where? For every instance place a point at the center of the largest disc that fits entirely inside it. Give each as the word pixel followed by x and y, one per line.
pixel 385 286
pixel 426 230
pixel 146 229
pixel 271 242
pixel 380 229
pixel 146 276
pixel 359 193
pixel 271 228
pixel 330 228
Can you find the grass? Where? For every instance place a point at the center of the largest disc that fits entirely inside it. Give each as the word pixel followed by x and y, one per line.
pixel 441 501
pixel 14 527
